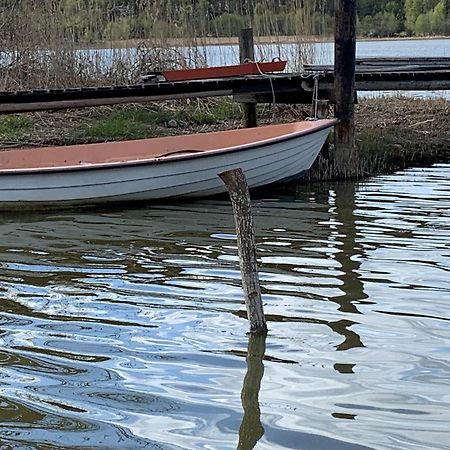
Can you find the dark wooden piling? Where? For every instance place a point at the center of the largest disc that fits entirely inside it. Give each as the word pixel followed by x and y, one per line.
pixel 247 53
pixel 236 184
pixel 344 86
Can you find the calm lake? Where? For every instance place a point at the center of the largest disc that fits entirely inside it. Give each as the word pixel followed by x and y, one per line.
pixel 317 53
pixel 323 53
pixel 126 329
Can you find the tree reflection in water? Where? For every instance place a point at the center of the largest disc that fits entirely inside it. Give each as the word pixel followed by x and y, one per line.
pixel 251 429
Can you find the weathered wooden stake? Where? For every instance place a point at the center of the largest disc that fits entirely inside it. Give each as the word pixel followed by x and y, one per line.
pixel 247 53
pixel 236 184
pixel 344 84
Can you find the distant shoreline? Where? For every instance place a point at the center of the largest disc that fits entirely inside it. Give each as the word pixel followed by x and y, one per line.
pixel 261 40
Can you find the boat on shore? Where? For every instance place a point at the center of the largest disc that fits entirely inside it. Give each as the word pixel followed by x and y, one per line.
pixel 159 168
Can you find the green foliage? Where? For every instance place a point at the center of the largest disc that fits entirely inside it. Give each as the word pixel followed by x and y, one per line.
pixel 428 16
pixel 119 29
pixel 419 17
pixel 227 24
pixel 382 24
pixel 14 125
pixel 441 18
pixel 125 123
pixel 209 112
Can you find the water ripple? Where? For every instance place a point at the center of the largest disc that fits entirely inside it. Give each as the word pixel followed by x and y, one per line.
pixel 126 328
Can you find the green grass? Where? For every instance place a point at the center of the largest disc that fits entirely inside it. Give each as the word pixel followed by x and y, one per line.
pixel 209 112
pixel 14 126
pixel 139 122
pixel 115 123
pixel 125 123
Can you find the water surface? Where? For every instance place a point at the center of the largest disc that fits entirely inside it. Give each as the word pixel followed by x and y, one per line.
pixel 126 328
pixel 323 53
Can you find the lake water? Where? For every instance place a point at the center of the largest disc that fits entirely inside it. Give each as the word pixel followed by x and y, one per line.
pixel 323 53
pixel 317 53
pixel 125 328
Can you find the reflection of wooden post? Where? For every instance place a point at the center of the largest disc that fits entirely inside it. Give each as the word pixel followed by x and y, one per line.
pixel 251 429
pixel 240 199
pixel 247 53
pixel 344 85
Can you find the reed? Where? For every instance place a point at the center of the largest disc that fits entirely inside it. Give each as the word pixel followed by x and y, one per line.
pixel 73 43
pixel 392 133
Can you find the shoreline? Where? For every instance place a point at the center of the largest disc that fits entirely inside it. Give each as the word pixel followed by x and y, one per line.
pixel 391 133
pixel 217 41
pixel 394 134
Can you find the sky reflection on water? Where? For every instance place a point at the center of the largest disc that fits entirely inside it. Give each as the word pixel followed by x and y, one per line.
pixel 126 328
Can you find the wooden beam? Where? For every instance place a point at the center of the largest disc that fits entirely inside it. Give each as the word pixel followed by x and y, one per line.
pixel 289 88
pixel 403 85
pixel 13 108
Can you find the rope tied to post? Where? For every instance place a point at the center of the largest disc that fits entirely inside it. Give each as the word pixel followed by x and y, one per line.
pixel 270 77
pixel 316 94
pixel 315 97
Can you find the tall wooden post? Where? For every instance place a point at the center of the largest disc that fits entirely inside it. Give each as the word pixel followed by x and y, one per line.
pixel 344 86
pixel 236 184
pixel 247 53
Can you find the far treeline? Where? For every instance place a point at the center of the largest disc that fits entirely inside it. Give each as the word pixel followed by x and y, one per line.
pixel 85 21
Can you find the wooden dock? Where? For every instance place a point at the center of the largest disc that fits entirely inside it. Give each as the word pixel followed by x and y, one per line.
pixel 401 64
pixel 372 74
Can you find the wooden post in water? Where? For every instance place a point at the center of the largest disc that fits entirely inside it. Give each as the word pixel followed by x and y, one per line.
pixel 344 86
pixel 247 53
pixel 236 184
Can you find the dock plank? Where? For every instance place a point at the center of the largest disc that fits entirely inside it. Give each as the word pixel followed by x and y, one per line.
pixel 409 74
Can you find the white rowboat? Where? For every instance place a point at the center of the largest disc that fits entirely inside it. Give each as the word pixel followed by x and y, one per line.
pixel 157 168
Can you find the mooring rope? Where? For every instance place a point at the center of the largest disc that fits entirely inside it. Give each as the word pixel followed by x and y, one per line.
pixel 316 94
pixel 315 99
pixel 269 76
pixel 314 75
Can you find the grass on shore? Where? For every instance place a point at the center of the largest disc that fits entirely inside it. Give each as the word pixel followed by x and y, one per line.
pixel 391 133
pixel 397 133
pixel 116 123
pixel 14 126
pixel 126 123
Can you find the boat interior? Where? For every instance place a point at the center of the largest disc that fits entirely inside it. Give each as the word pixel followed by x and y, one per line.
pixel 122 152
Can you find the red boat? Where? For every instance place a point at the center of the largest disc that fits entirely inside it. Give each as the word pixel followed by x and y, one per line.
pixel 238 70
pixel 158 168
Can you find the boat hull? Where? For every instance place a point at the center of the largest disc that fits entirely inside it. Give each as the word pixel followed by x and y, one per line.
pixel 194 176
pixel 204 73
